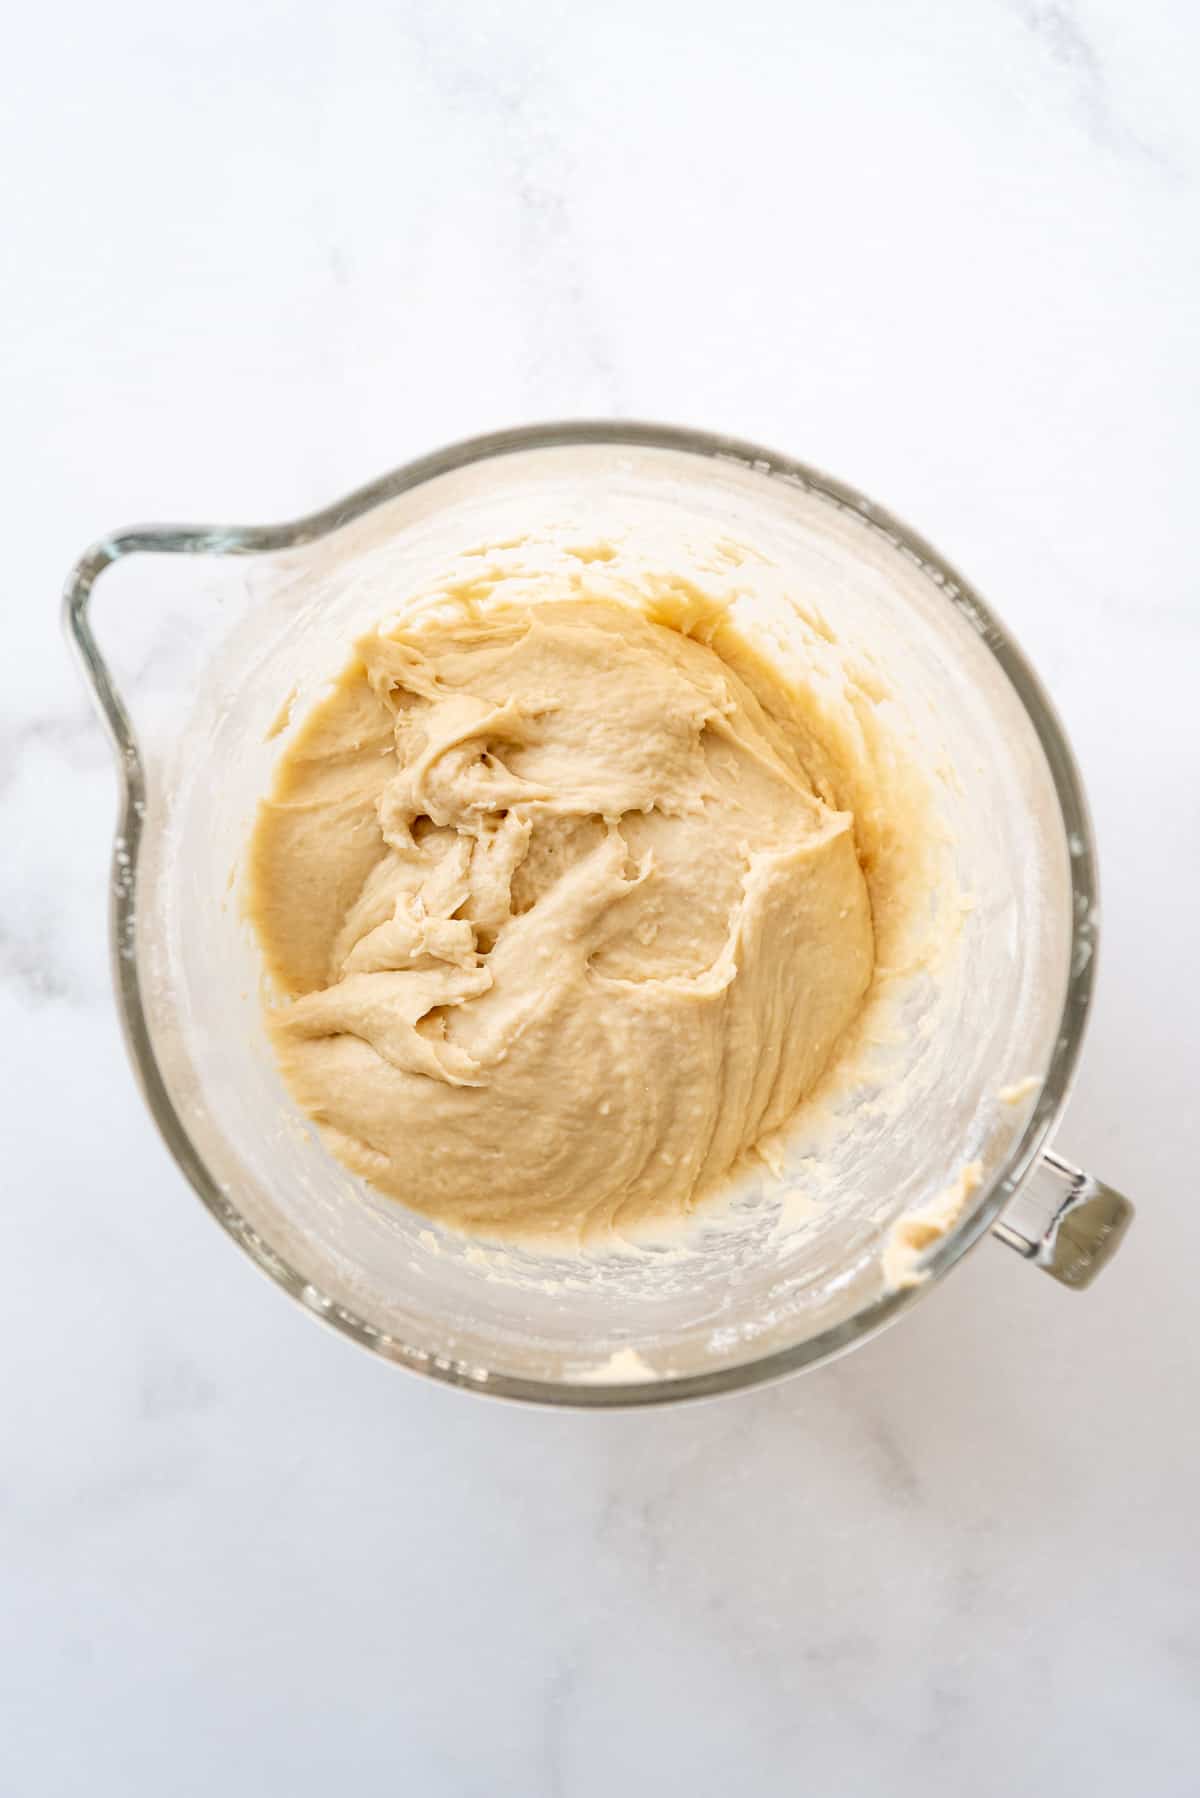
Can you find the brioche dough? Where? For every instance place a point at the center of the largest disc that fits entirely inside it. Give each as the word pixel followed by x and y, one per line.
pixel 559 921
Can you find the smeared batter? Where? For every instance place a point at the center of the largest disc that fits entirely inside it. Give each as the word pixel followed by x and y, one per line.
pixel 561 911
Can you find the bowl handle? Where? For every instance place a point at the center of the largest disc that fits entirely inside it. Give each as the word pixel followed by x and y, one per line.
pixel 1065 1221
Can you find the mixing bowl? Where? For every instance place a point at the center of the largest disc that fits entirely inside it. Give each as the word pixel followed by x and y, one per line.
pixel 223 635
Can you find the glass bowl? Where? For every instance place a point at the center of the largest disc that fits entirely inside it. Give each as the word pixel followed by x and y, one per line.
pixel 226 632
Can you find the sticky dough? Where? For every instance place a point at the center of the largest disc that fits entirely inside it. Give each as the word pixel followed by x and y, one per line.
pixel 559 912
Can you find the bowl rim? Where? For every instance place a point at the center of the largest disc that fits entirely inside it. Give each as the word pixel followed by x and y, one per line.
pixel 252 540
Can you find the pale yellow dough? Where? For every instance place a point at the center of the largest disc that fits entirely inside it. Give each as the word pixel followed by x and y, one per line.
pixel 559 914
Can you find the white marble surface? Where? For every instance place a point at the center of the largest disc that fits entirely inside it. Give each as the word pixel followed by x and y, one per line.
pixel 258 253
